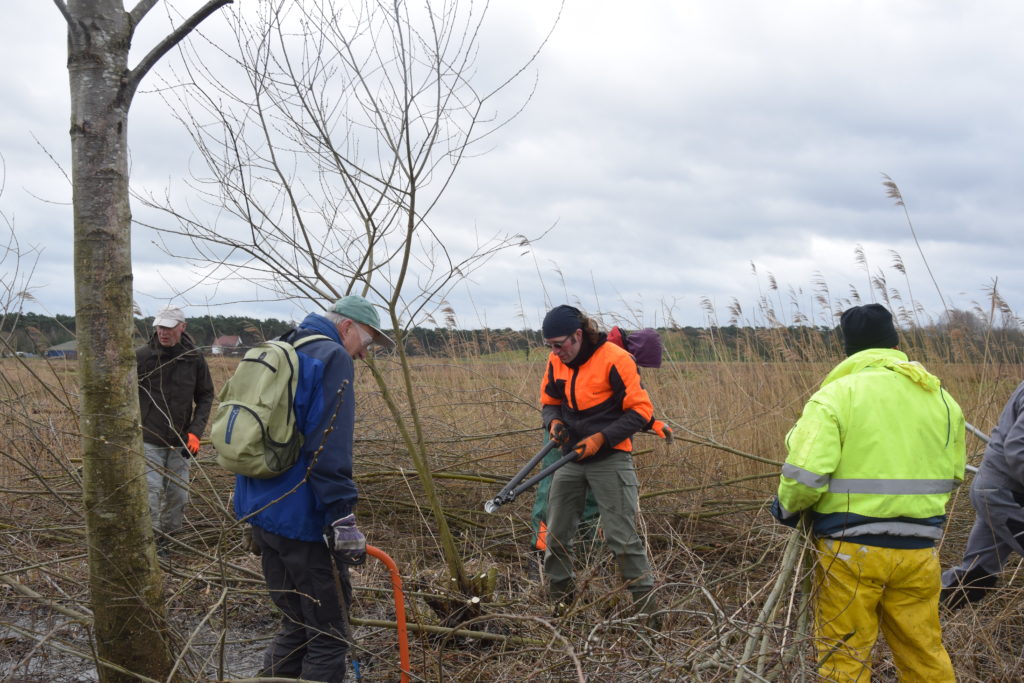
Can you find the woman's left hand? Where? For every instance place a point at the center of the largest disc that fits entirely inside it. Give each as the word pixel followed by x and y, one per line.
pixel 590 445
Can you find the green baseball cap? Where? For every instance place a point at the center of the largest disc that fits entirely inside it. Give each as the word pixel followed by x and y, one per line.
pixel 355 307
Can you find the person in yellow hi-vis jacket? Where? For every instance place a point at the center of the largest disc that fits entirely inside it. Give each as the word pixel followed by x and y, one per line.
pixel 874 458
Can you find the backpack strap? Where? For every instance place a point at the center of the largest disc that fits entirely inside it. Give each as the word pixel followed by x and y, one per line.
pixel 287 336
pixel 310 338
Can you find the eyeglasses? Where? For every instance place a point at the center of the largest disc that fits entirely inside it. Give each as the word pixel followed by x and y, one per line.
pixel 365 337
pixel 556 345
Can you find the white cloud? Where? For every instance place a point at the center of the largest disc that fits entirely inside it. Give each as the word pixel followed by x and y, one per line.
pixel 670 144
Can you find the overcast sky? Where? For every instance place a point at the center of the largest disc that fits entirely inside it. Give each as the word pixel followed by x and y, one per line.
pixel 684 151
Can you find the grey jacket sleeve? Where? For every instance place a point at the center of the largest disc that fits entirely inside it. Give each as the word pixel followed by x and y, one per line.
pixel 1009 435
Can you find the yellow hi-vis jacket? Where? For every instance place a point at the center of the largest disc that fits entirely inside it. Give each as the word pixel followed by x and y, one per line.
pixel 877 451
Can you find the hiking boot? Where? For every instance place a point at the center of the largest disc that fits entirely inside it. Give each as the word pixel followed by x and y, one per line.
pixel 562 608
pixel 562 591
pixel 563 594
pixel 967 588
pixel 645 606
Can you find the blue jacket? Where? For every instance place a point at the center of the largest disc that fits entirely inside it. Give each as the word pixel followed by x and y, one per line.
pixel 328 493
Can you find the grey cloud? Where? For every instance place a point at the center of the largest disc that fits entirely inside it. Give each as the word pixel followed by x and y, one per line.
pixel 671 144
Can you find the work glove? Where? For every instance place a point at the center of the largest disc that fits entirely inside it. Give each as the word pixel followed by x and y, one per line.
pixel 192 444
pixel 346 541
pixel 559 432
pixel 589 446
pixel 662 430
pixel 668 435
pixel 779 514
pixel 249 541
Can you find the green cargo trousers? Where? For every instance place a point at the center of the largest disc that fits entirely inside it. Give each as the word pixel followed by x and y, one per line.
pixel 614 484
pixel 587 532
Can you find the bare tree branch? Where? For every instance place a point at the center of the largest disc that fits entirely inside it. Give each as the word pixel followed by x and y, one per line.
pixel 134 77
pixel 63 10
pixel 141 10
pixel 324 165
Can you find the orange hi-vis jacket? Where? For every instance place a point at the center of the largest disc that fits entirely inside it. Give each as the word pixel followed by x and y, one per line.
pixel 599 393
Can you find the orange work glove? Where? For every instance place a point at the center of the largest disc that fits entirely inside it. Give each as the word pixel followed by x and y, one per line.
pixel 662 430
pixel 590 445
pixel 559 432
pixel 193 443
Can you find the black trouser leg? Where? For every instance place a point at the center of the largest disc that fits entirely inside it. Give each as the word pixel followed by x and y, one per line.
pixel 311 642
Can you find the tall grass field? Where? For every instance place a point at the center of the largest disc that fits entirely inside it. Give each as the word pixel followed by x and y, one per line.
pixel 716 550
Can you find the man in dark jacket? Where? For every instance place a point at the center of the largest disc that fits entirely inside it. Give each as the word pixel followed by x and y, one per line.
pixel 294 513
pixel 175 396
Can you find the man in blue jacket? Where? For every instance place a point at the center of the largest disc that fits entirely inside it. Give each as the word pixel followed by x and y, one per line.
pixel 294 513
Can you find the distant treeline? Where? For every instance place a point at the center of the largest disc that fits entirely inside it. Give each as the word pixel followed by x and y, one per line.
pixel 966 339
pixel 34 333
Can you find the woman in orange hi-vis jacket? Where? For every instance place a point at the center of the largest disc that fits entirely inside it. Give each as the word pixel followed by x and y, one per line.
pixel 646 347
pixel 592 402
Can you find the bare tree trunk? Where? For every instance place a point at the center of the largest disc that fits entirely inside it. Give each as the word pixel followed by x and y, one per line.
pixel 125 580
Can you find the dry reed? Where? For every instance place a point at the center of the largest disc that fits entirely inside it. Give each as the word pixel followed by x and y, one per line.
pixel 716 551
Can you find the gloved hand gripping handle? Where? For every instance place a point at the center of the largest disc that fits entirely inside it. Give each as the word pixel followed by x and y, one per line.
pixel 516 485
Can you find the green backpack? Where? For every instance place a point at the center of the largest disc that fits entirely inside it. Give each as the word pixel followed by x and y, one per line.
pixel 254 427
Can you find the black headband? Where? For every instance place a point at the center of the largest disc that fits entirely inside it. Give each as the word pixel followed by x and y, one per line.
pixel 561 321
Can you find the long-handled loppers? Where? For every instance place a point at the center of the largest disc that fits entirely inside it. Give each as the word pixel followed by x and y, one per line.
pixel 981 435
pixel 516 485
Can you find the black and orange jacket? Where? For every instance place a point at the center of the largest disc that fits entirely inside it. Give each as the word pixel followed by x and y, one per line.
pixel 598 391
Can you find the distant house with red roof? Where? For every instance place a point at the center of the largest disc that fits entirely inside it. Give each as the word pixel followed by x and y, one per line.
pixel 226 345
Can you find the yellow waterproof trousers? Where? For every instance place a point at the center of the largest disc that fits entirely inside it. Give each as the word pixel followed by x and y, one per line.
pixel 862 587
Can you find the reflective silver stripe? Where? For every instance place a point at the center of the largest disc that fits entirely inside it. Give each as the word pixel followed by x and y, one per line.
pixel 892 487
pixel 805 477
pixel 786 514
pixel 892 529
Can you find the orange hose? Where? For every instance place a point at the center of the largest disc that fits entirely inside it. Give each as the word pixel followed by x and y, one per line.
pixel 396 585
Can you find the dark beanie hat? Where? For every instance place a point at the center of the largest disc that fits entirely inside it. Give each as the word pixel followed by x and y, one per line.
pixel 867 327
pixel 561 321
